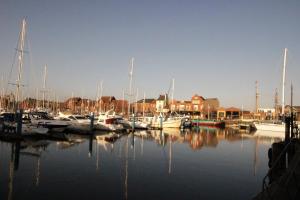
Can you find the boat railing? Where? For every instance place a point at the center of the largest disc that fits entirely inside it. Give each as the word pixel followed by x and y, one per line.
pixel 274 166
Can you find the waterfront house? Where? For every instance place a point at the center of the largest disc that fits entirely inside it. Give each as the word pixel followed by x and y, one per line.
pixel 147 105
pixel 73 104
pixel 296 111
pixel 161 103
pixel 107 103
pixel 197 103
pixel 233 113
pixel 121 106
pixel 210 106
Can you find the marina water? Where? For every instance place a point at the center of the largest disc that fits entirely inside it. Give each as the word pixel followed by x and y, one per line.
pixel 170 164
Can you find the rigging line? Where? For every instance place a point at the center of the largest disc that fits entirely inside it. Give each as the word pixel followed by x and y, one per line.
pixel 13 63
pixel 31 68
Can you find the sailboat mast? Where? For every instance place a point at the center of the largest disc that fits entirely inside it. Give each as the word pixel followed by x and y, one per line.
pixel 283 80
pixel 20 58
pixel 2 92
pixel 173 90
pixel 44 85
pixel 123 102
pixel 101 91
pixel 256 97
pixel 136 99
pixel 144 105
pixel 72 103
pixel 97 98
pixel 130 83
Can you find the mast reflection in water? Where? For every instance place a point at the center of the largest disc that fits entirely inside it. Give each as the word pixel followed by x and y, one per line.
pixel 169 164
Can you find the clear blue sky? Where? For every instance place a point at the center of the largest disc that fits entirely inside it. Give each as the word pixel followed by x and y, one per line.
pixel 212 48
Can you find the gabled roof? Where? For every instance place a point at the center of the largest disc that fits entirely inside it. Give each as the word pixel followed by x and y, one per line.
pixel 73 99
pixel 211 99
pixel 196 95
pixel 233 109
pixel 221 109
pixel 108 99
pixel 146 101
pixel 161 98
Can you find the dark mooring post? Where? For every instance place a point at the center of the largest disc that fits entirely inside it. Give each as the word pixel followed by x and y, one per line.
pixel 133 122
pixel 91 145
pixel 132 140
pixel 19 114
pixel 92 121
pixel 17 155
pixel 287 129
pixel 292 114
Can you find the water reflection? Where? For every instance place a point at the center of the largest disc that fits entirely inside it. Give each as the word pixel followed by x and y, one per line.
pixel 26 148
pixel 137 165
pixel 201 137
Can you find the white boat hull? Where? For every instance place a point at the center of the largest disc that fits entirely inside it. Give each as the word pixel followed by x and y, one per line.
pixel 28 129
pixel 270 127
pixel 167 124
pixel 108 127
pixel 137 124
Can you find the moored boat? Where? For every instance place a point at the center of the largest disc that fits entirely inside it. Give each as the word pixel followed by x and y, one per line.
pixel 76 122
pixel 213 123
pixel 9 124
pixel 108 122
pixel 164 122
pixel 270 126
pixel 44 120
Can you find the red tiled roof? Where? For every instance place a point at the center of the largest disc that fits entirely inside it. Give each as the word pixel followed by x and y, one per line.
pixel 233 109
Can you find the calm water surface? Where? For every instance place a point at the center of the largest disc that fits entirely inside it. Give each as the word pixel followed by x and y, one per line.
pixel 172 164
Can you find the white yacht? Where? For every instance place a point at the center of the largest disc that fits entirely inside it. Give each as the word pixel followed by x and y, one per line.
pixel 138 124
pixel 165 122
pixel 76 122
pixel 44 120
pixel 270 126
pixel 108 122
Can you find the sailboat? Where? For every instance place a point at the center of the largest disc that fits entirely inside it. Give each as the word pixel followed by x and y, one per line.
pixel 132 121
pixel 28 128
pixel 275 126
